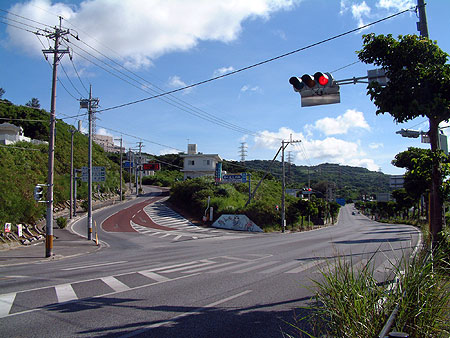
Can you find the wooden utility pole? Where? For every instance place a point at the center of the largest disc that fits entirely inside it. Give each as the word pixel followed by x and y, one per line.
pixel 57 55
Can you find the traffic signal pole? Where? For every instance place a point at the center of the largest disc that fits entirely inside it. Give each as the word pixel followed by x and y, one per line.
pixel 57 55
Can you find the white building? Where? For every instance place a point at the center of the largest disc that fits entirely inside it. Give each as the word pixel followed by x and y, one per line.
pixel 107 143
pixel 197 164
pixel 10 134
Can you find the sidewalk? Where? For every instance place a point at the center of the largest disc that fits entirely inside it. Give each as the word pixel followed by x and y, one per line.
pixel 65 244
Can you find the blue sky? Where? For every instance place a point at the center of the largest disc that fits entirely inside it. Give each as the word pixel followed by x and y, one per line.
pixel 171 44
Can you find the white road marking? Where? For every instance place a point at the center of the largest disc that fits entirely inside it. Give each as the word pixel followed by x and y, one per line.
pixel 231 267
pixel 204 262
pixel 306 266
pixel 181 315
pixel 115 284
pixel 177 238
pixel 280 267
pixel 6 302
pixel 256 267
pixel 208 267
pixel 65 293
pixel 154 276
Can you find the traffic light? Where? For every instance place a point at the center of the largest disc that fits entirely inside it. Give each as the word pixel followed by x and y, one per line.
pixel 316 90
pixel 38 192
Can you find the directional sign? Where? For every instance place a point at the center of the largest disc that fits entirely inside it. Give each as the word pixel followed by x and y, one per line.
pixel 127 164
pixel 98 174
pixel 234 178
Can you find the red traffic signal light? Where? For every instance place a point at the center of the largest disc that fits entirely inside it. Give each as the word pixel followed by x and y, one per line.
pixel 321 78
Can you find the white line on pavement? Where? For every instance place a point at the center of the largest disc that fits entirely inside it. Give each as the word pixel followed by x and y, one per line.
pixel 115 284
pixel 65 293
pixel 6 302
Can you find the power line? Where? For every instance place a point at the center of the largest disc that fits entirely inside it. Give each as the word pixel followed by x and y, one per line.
pixel 172 100
pixel 259 63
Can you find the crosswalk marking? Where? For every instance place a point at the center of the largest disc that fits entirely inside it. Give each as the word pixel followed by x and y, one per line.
pixel 6 302
pixel 306 266
pixel 204 262
pixel 237 265
pixel 280 267
pixel 65 293
pixel 115 284
pixel 207 267
pixel 154 276
pixel 256 267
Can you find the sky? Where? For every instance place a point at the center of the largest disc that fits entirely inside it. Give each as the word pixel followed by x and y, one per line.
pixel 129 51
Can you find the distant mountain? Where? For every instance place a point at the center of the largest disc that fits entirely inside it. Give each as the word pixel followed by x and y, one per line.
pixel 343 181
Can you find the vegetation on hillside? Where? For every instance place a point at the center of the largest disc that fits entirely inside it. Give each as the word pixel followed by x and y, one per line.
pixel 23 165
pixel 264 209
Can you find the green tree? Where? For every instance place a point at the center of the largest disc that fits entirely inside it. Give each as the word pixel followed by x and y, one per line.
pixel 33 103
pixel 419 85
pixel 2 92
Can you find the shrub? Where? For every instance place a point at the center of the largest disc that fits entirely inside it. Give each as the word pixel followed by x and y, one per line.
pixel 61 222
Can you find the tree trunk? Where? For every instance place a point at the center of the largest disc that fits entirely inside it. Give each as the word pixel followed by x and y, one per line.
pixel 435 196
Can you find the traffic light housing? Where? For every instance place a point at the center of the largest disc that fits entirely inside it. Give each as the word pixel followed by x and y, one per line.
pixel 38 192
pixel 316 90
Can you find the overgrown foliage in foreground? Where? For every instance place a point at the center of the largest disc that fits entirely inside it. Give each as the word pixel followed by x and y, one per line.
pixel 352 303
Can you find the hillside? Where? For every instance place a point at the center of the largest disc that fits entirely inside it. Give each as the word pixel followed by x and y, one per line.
pixel 345 181
pixel 23 165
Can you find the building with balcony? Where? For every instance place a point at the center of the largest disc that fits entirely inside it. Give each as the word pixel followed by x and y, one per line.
pixel 196 164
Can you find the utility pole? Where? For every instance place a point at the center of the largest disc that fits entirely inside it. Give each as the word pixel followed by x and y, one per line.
pixel 57 55
pixel 140 166
pixel 422 25
pixel 120 190
pixel 90 104
pixel 72 132
pixel 129 170
pixel 284 145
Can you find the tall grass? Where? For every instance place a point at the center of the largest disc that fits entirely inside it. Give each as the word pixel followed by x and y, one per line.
pixel 350 302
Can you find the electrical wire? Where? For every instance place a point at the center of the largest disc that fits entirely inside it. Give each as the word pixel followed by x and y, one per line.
pixel 259 63
pixel 171 100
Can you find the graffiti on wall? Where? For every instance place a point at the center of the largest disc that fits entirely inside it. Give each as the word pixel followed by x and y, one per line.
pixel 236 222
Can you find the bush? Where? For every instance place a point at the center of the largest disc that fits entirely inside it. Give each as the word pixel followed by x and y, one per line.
pixel 61 222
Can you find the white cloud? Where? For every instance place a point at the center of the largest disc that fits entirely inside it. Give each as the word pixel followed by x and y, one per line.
pixel 168 151
pixel 176 82
pixel 223 70
pixel 104 132
pixel 248 88
pixel 359 11
pixel 142 30
pixel 341 124
pixel 395 4
pixel 330 149
pixel 374 145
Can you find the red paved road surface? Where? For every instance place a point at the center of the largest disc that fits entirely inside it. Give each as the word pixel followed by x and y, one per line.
pixel 120 221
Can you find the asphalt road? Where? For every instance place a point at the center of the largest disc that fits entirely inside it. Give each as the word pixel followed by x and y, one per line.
pixel 174 280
